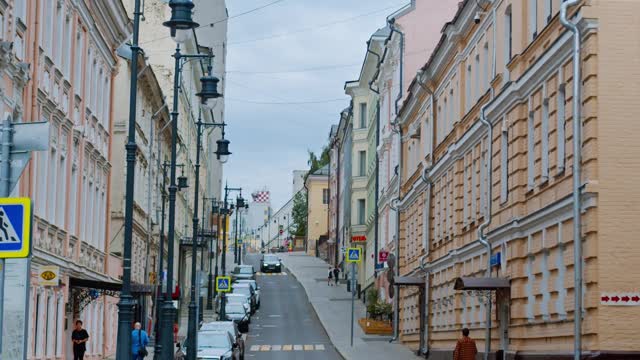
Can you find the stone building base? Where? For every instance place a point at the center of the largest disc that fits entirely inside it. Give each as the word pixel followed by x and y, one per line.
pixel 593 355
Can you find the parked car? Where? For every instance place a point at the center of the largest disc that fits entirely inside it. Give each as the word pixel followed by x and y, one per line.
pixel 245 272
pixel 243 299
pixel 270 263
pixel 256 289
pixel 238 314
pixel 247 290
pixel 230 327
pixel 218 345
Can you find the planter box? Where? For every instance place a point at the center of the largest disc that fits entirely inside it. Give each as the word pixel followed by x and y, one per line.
pixel 376 327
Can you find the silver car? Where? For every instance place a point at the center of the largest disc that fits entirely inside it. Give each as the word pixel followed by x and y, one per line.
pixel 255 287
pixel 230 327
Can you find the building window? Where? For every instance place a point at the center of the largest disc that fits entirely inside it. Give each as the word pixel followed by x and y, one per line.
pixel 361 211
pixel 78 63
pixel 21 10
pixel 49 18
pixel 451 116
pixel 530 147
pixel 504 162
pixel 560 115
pixel 548 10
pixel 59 34
pixel 2 25
pixel 508 36
pixel 545 135
pixel 533 19
pixel 363 115
pixel 468 88
pixel 362 163
pixel 325 196
pixel 67 48
pixel 487 63
pixel 477 79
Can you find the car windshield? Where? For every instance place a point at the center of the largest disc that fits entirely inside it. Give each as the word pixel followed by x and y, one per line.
pixel 234 309
pixel 223 326
pixel 270 258
pixel 242 290
pixel 213 340
pixel 245 270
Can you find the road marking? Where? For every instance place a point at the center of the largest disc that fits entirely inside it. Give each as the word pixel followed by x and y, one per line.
pixel 287 347
pixel 265 347
pixel 271 274
pixel 255 347
pixel 269 326
pixel 320 347
pixel 308 348
pixel 297 347
pixel 276 348
pixel 275 316
pixel 317 347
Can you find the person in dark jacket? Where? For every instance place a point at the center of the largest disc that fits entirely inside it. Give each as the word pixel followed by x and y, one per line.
pixel 139 342
pixel 79 337
pixel 336 274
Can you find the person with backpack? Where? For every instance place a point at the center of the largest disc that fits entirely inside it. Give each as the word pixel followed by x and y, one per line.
pixel 139 342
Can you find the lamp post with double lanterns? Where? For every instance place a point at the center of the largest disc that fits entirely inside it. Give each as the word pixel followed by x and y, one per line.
pixel 237 250
pixel 182 180
pixel 181 27
pixel 227 208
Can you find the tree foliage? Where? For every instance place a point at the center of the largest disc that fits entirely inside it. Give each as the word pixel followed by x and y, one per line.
pixel 299 214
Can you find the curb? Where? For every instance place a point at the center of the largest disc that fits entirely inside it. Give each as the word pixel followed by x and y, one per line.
pixel 315 311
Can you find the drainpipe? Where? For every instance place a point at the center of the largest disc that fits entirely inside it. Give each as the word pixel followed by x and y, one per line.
pixel 482 236
pixel 424 339
pixel 377 169
pixel 396 311
pixel 577 168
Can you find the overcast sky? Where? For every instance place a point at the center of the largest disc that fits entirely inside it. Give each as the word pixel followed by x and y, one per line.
pixel 270 139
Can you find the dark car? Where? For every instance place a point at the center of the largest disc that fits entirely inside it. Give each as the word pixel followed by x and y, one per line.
pixel 238 314
pixel 215 345
pixel 243 272
pixel 270 263
pixel 248 291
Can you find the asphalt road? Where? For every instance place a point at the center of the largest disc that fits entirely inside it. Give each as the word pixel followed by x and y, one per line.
pixel 286 326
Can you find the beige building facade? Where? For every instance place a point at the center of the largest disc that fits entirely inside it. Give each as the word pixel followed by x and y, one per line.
pixel 516 64
pixel 317 184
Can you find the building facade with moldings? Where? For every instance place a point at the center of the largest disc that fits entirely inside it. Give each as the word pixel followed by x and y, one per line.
pixel 516 64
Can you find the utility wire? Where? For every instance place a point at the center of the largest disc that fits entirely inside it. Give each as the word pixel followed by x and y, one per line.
pixel 222 20
pixel 287 102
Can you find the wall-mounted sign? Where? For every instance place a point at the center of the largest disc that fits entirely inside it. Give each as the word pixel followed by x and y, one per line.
pixel 495 259
pixel 49 275
pixel 620 299
pixel 358 238
pixel 382 256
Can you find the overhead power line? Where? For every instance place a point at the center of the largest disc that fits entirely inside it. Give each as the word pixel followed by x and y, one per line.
pixel 222 20
pixel 287 102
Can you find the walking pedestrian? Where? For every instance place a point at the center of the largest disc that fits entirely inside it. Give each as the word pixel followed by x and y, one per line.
pixel 179 355
pixel 330 276
pixel 79 338
pixel 465 348
pixel 139 342
pixel 336 275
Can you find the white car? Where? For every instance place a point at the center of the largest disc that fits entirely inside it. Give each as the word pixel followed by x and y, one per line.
pixel 255 287
pixel 239 299
pixel 230 327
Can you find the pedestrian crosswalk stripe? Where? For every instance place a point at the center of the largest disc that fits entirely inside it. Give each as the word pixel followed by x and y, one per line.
pixel 308 347
pixel 271 274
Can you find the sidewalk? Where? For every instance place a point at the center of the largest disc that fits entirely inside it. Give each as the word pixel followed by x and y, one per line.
pixel 333 306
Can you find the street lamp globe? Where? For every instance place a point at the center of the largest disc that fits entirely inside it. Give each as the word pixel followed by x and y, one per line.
pixel 223 150
pixel 209 92
pixel 181 23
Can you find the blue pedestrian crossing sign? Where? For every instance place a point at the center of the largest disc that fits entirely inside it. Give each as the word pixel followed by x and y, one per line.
pixel 223 284
pixel 15 227
pixel 354 255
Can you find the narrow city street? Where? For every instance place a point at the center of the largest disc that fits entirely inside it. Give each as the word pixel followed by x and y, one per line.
pixel 286 326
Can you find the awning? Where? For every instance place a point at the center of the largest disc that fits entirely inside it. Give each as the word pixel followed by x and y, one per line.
pixel 110 286
pixel 409 280
pixel 481 283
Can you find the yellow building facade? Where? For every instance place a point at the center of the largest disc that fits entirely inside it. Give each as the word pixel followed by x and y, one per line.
pixel 515 63
pixel 317 185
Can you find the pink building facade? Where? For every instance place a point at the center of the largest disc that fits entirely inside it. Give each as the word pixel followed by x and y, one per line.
pixel 58 63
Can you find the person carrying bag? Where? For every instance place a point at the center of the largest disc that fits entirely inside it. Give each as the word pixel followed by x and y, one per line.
pixel 139 343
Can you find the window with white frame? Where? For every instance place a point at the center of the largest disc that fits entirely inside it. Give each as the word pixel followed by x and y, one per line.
pixel 476 80
pixel 363 115
pixel 465 191
pixel 2 36
pixel 560 120
pixel 445 117
pixel 508 35
pixel 73 199
pixel 427 137
pixel 484 170
pixel 21 10
pixel 49 18
pixel 107 102
pixel 62 181
pixel 59 35
pixel 440 125
pixel 467 86
pixel 52 176
pixel 545 134
pixel 530 146
pixel 68 34
pixel 451 116
pixel 548 11
pixel 487 66
pixel 77 63
pixel 533 19
pixel 504 161
pixel 87 78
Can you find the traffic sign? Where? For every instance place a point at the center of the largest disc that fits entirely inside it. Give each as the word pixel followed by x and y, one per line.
pixel 354 255
pixel 223 284
pixel 620 299
pixel 15 227
pixel 383 255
